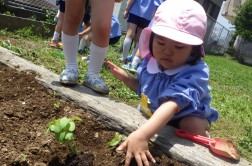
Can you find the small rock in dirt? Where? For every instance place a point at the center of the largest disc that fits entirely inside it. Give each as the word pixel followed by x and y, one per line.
pixel 39 164
pixel 19 115
pixel 4 150
pixel 34 150
pixel 96 135
pixel 23 130
pixel 46 143
pixel 9 113
pixel 3 141
pixel 67 109
pixel 1 128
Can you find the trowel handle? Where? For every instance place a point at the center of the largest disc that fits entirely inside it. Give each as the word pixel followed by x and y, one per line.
pixel 194 137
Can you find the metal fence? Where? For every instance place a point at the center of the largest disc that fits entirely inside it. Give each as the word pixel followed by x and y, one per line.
pixel 217 37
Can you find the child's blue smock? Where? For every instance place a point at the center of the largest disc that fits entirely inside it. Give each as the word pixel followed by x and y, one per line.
pixel 186 85
pixel 115 27
pixel 157 3
pixel 143 8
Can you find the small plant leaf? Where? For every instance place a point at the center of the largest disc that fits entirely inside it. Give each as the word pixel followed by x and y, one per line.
pixel 77 118
pixel 72 126
pixel 116 140
pixel 64 121
pixel 123 137
pixel 62 136
pixel 55 128
pixel 69 136
pixel 57 136
pixel 113 142
pixel 117 135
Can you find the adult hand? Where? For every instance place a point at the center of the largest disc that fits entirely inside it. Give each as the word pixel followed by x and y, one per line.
pixel 137 146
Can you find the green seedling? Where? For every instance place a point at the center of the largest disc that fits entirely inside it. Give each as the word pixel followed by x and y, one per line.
pixel 56 105
pixel 116 140
pixel 63 129
pixel 24 155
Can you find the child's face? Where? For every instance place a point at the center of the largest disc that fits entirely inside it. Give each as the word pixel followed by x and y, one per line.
pixel 169 53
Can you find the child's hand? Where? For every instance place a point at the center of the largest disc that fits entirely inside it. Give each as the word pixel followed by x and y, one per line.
pixel 119 73
pixel 125 14
pixel 137 146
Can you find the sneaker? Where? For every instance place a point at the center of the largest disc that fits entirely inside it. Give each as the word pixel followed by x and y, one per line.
pixel 128 59
pixel 83 50
pixel 130 67
pixel 54 43
pixel 124 61
pixel 96 84
pixel 69 76
pixel 86 58
pixel 60 45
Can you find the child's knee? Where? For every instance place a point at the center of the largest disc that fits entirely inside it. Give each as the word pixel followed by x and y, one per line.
pixel 195 125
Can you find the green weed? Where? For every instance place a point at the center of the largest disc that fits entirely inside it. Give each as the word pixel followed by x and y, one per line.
pixel 118 138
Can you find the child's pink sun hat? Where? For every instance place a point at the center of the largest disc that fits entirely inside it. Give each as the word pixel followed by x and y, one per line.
pixel 184 21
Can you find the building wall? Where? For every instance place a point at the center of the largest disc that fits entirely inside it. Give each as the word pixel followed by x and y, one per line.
pixel 229 9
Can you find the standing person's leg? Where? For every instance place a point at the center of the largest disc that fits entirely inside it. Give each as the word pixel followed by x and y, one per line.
pixel 132 66
pixel 136 40
pixel 101 25
pixel 57 31
pixel 131 30
pixel 72 19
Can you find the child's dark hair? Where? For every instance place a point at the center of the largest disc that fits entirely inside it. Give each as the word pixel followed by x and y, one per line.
pixel 194 58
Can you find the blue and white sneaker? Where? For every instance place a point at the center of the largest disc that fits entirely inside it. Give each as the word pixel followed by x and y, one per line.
pixel 130 67
pixel 97 84
pixel 128 59
pixel 69 77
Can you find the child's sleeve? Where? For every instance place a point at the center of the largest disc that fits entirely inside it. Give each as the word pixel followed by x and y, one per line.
pixel 190 91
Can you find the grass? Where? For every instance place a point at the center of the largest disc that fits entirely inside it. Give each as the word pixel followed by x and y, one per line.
pixel 231 84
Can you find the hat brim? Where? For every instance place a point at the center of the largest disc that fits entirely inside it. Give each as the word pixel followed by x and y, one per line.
pixel 176 35
pixel 144 42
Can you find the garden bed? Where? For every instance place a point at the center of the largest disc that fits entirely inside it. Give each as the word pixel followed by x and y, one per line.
pixel 27 107
pixel 118 116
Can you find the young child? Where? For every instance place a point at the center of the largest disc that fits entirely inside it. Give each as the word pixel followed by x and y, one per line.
pixel 101 21
pixel 171 78
pixel 136 59
pixel 139 14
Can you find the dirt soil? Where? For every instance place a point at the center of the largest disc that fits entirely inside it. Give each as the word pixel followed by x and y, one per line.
pixel 26 107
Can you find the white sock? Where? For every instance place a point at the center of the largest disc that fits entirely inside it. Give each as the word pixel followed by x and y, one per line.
pixel 82 44
pixel 70 45
pixel 97 56
pixel 56 36
pixel 135 49
pixel 126 47
pixel 136 60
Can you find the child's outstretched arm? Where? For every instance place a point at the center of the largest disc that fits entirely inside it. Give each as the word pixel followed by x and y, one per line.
pixel 137 142
pixel 121 75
